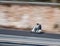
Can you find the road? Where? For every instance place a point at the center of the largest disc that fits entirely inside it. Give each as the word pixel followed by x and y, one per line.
pixel 27 33
pixel 27 38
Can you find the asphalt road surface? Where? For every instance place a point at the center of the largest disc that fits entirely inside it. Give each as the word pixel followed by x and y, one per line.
pixel 26 38
pixel 27 33
pixel 16 44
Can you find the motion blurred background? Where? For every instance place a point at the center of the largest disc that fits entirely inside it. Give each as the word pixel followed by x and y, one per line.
pixel 15 14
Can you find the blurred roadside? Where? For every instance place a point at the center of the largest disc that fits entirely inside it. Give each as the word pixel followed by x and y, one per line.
pixel 13 28
pixel 25 16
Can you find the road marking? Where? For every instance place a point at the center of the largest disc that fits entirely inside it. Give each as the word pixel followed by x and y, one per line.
pixel 28 40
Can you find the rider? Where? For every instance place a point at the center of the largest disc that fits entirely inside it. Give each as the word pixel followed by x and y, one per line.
pixel 37 28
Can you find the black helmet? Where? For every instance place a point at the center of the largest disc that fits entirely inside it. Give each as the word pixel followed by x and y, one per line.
pixel 37 23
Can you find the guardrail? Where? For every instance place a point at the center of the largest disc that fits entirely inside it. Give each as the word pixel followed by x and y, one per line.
pixel 33 3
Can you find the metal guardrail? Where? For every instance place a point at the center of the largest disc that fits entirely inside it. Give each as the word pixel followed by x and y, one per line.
pixel 33 3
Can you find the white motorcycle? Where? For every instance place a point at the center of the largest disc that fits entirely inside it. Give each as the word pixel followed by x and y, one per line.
pixel 36 30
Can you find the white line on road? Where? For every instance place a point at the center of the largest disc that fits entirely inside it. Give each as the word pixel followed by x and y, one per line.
pixel 28 40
